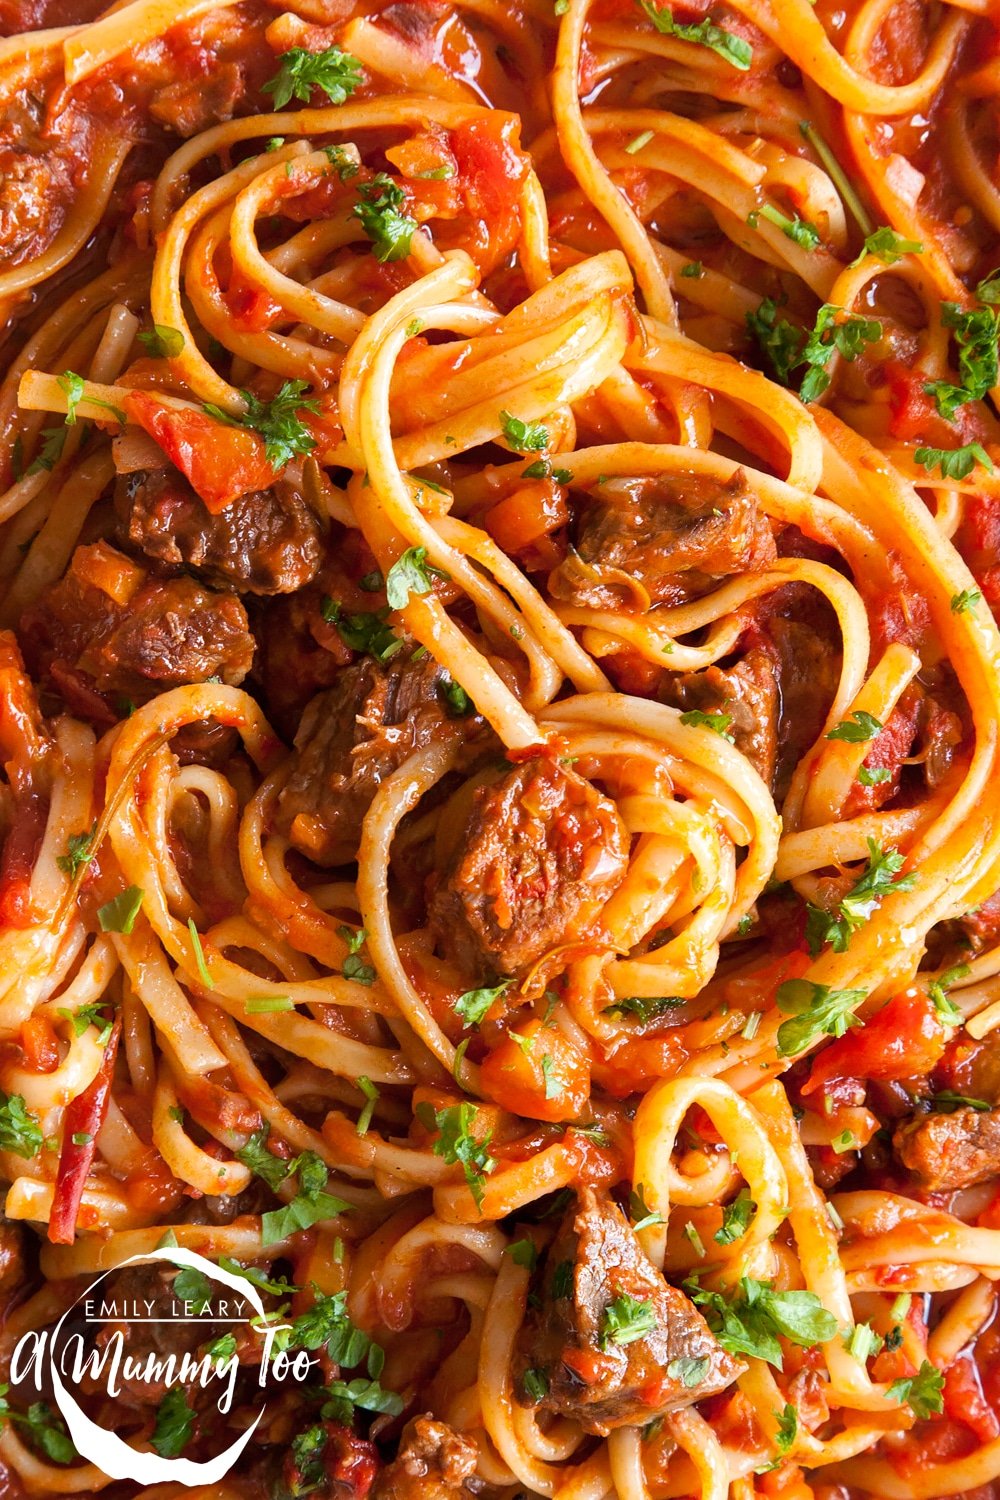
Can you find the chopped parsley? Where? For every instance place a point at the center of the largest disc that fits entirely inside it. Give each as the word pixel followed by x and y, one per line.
pixel 718 722
pixel 788 347
pixel 354 966
pixel 923 1392
pixel 174 1424
pixel 735 49
pixel 880 877
pixel 337 73
pixel 523 437
pixel 966 600
pixel 79 852
pixel 536 1384
pixel 72 387
pixel 688 1370
pixel 473 1005
pixel 627 1319
pixel 876 776
pixel 976 335
pixel 788 1428
pixel 365 632
pixel 52 449
pixel 277 421
pixel 937 994
pixel 887 246
pixel 857 729
pixel 817 1011
pixel 643 1007
pixel 162 341
pixel 44 1429
pixel 643 1217
pixel 736 1217
pixel 410 574
pixel 378 209
pixel 800 231
pixel 20 1131
pixel 119 914
pixel 456 1143
pixel 753 1316
pixel 954 463
pixel 86 1016
pixel 523 1253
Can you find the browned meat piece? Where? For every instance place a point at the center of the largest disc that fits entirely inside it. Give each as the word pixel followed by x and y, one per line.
pixel 568 1340
pixel 108 628
pixel 196 103
pixel 808 664
pixel 13 1272
pixel 266 542
pixel 539 854
pixel 434 1463
pixel 951 1151
pixel 142 1309
pixel 670 535
pixel 351 738
pixel 33 192
pixel 748 693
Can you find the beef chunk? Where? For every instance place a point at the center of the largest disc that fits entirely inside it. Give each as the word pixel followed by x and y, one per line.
pixel 671 534
pixel 748 693
pixel 107 627
pixel 434 1463
pixel 808 668
pixel 34 190
pixel 266 542
pixel 13 1259
pixel 539 854
pixel 951 1151
pixel 351 738
pixel 602 1383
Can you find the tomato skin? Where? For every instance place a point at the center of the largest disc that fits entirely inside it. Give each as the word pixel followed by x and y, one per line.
pixel 637 1062
pixel 513 1075
pixel 222 463
pixel 906 1037
pixel 491 171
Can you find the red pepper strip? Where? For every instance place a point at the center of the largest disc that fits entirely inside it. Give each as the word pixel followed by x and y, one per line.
pixel 83 1117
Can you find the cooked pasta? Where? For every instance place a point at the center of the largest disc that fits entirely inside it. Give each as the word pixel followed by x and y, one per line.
pixel 500 719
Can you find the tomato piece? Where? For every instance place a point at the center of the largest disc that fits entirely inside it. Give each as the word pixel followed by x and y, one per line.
pixel 222 463
pixel 637 1062
pixel 906 1037
pixel 40 1043
pixel 964 1399
pixel 532 511
pixel 491 170
pixel 544 1076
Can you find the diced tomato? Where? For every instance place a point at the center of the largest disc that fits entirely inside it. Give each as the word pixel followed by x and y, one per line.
pixel 542 1075
pixel 904 1038
pixel 221 462
pixel 964 1399
pixel 887 752
pixel 532 511
pixel 40 1043
pixel 637 1062
pixel 914 415
pixel 491 170
pixel 252 308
